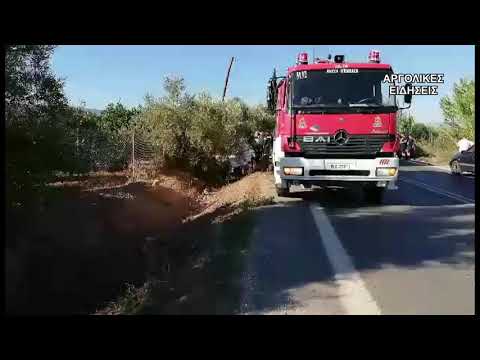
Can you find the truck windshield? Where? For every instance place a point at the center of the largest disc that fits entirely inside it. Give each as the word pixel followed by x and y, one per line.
pixel 334 88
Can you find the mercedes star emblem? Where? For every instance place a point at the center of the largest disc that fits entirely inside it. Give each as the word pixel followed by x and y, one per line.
pixel 341 137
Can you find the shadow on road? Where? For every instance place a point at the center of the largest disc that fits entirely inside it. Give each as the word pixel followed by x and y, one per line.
pixel 282 265
pixel 408 232
pixel 412 163
pixel 457 184
pixel 271 259
pixel 250 263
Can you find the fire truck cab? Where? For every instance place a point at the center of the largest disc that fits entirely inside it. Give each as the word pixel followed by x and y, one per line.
pixel 335 124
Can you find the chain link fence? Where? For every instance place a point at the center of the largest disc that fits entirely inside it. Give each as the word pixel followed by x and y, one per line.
pixel 137 152
pixel 127 150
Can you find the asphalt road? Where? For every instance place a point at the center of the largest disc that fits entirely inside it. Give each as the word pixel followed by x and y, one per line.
pixel 330 252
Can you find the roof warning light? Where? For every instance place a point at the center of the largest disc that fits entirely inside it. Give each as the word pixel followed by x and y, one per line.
pixel 374 56
pixel 302 58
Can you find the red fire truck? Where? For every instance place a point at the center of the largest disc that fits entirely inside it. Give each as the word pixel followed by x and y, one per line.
pixel 335 125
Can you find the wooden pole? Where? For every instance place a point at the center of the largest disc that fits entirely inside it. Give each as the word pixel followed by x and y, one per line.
pixel 133 154
pixel 226 79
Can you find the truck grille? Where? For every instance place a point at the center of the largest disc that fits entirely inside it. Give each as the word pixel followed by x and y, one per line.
pixel 356 145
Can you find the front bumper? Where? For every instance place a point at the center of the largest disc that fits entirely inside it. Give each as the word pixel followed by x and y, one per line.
pixel 364 165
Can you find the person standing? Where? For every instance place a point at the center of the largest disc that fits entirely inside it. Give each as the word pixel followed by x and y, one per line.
pixel 411 146
pixel 403 145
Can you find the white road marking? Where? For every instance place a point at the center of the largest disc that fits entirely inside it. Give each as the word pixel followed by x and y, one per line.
pixel 442 168
pixel 354 295
pixel 439 191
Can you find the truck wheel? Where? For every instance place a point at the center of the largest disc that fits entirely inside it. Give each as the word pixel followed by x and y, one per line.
pixel 374 194
pixel 283 191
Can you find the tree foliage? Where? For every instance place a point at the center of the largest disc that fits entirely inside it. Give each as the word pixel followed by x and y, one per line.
pixel 36 118
pixel 115 117
pixel 31 88
pixel 459 110
pixel 197 133
pixel 405 123
pixel 424 132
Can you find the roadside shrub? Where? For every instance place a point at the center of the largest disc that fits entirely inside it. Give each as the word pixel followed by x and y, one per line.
pixel 405 123
pixel 421 131
pixel 197 133
pixel 459 111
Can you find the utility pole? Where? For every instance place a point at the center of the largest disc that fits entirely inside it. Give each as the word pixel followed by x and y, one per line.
pixel 133 154
pixel 226 79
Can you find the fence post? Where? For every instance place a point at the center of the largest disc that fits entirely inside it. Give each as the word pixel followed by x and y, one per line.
pixel 133 154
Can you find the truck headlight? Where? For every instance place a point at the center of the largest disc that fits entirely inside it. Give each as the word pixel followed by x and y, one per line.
pixel 386 171
pixel 298 171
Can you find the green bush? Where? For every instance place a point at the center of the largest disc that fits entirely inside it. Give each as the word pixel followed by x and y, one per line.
pixel 423 132
pixel 197 133
pixel 405 123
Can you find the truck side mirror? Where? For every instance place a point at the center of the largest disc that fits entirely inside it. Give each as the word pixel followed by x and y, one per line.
pixel 269 98
pixel 407 98
pixel 272 95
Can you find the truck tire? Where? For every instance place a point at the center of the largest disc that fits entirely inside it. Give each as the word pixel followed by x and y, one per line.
pixel 374 194
pixel 283 191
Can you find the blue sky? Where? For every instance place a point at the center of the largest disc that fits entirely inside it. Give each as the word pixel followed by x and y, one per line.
pixel 101 74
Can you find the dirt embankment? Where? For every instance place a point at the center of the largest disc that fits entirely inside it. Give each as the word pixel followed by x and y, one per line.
pixel 90 236
pixel 436 154
pixel 254 190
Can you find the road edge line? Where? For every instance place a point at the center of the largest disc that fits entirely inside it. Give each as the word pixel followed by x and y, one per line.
pixel 443 168
pixel 437 190
pixel 354 296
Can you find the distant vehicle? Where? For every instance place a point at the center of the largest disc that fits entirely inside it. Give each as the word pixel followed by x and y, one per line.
pixel 463 161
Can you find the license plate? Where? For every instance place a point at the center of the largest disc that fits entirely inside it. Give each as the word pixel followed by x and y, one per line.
pixel 338 166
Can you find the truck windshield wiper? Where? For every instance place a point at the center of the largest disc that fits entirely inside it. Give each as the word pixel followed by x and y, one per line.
pixel 364 105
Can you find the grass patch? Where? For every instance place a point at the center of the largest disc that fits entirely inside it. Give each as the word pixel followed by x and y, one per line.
pixel 252 203
pixel 437 153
